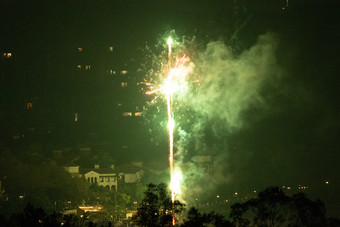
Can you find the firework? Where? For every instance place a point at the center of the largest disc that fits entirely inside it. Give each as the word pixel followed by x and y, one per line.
pixel 174 81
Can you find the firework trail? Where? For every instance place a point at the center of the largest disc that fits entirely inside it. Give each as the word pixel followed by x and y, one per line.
pixel 173 82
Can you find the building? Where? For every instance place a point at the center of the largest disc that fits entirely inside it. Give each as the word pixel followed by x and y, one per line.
pixel 130 173
pixel 109 177
pixel 73 170
pixel 105 177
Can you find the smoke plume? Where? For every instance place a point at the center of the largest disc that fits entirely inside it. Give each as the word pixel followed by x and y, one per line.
pixel 228 86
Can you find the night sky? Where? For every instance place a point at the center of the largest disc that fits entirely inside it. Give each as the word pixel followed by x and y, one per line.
pixel 267 108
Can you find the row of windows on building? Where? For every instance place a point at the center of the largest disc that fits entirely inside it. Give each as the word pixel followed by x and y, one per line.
pixel 130 114
pixel 101 179
pixel 110 48
pixel 124 114
pixel 109 71
pixel 86 67
pixel 7 55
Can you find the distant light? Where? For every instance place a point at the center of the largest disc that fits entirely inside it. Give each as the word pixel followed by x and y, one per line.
pixel 218 196
pixel 138 114
pixel 127 114
pixel 80 49
pixel 21 196
pixel 90 209
pixel 327 182
pixel 236 193
pixel 254 191
pixel 110 48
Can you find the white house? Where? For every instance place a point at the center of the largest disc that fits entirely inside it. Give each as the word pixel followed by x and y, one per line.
pixel 105 177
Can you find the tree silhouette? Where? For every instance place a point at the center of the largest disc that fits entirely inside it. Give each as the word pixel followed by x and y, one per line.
pixel 307 212
pixel 156 208
pixel 195 219
pixel 236 214
pixel 273 208
pixel 31 217
pixel 270 208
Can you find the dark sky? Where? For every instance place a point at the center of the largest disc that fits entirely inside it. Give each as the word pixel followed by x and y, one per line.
pixel 291 138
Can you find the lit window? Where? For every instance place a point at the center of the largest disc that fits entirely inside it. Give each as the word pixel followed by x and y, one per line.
pixel 7 55
pixel 110 48
pixel 124 72
pixel 80 49
pixel 138 114
pixel 127 114
pixel 79 66
pixel 87 67
pixel 124 84
pixel 29 105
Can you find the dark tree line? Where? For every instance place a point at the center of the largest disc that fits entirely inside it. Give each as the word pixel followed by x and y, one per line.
pixel 43 184
pixel 269 209
pixel 273 208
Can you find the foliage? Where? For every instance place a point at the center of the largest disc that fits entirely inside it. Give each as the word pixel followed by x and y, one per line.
pixel 135 191
pixel 35 217
pixel 156 208
pixel 114 203
pixel 195 219
pixel 43 185
pixel 273 208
